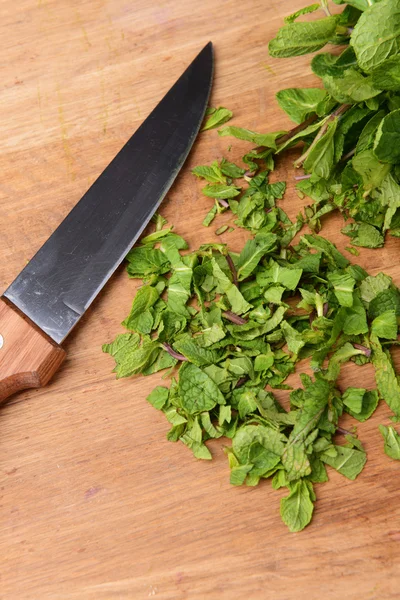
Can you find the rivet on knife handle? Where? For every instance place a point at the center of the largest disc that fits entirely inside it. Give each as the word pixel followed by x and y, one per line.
pixel 28 358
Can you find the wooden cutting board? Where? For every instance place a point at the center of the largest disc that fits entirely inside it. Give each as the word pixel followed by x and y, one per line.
pixel 95 503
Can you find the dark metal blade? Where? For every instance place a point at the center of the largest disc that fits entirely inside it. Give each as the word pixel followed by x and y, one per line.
pixel 70 269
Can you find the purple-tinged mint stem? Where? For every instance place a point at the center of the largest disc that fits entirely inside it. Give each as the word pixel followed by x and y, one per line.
pixel 249 174
pixel 364 349
pixel 233 269
pixel 343 431
pixel 240 382
pixel 301 177
pixel 172 352
pixel 234 318
pixel 312 316
pixel 325 309
pixel 223 203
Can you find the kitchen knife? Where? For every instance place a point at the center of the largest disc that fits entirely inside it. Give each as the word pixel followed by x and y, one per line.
pixel 46 300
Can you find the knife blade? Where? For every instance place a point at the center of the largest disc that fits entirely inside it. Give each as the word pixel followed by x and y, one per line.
pixel 53 291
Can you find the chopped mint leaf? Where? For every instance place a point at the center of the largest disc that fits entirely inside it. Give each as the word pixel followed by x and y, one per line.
pixel 385 325
pixel 221 229
pixel 347 461
pixel 360 403
pixel 218 117
pixel 220 191
pixel 392 441
pixel 385 376
pixel 198 392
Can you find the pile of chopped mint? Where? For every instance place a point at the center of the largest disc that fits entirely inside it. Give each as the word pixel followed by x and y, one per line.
pixel 229 325
pixel 228 328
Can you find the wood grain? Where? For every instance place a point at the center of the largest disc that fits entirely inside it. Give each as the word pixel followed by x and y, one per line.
pixel 95 502
pixel 28 358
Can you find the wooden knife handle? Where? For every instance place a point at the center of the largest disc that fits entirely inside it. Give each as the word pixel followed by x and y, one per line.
pixel 28 358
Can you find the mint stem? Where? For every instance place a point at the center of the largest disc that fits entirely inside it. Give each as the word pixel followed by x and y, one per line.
pixel 240 382
pixel 343 431
pixel 233 269
pixel 324 6
pixel 301 177
pixel 367 351
pixel 234 318
pixel 292 132
pixel 172 352
pixel 336 113
pixel 348 155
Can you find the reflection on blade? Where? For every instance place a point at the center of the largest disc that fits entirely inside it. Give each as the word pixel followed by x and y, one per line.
pixel 66 274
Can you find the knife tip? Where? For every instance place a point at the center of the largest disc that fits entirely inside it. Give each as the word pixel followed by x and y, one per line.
pixel 208 49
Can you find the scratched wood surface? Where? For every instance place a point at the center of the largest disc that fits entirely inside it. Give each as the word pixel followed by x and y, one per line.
pixel 95 503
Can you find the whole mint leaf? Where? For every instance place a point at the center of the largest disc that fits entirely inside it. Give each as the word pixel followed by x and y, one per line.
pixel 387 75
pixel 302 37
pixel 328 64
pixel 376 36
pixel 351 87
pixel 300 103
pixel 387 140
pixel 297 508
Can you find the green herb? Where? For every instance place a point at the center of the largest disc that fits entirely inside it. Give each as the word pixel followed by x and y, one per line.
pixel 347 461
pixel 392 441
pixel 297 507
pixel 301 37
pixel 229 327
pixel 350 126
pixel 221 229
pixel 221 320
pixel 218 116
